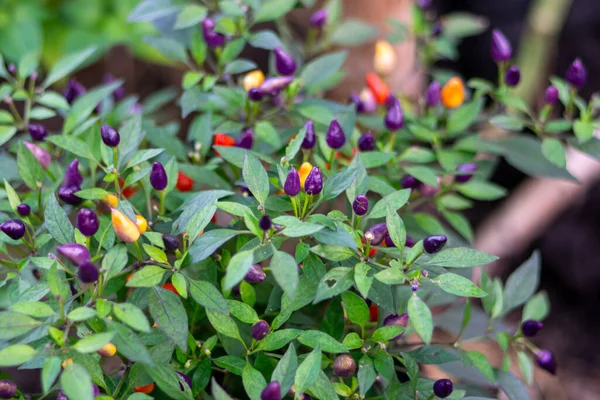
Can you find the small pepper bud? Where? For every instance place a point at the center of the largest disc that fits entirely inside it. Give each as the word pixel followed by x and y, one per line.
pixel 88 273
pixel 171 242
pixel 577 75
pixel 273 86
pixel 87 222
pixel 335 135
pixel 319 18
pixel 158 176
pixel 255 274
pixel 500 48
pixel 432 97
pixel 108 350
pixel 304 170
pixel 433 244
pixel 344 366
pixel 465 172
pixel 513 76
pixel 13 228
pixel 551 96
pixel 146 389
pixel 184 182
pixel 271 392
pixel 245 140
pixel 442 388
pixel 284 63
pixel 125 229
pixel 314 182
pixel 360 205
pixel 409 182
pixel 73 90
pixel 376 233
pixel 398 320
pixel 385 58
pixel 67 194
pixel 310 138
pixel 260 330
pixel 110 136
pixel 394 118
pixel 76 253
pixel 414 287
pixel 291 187
pixel 186 379
pixel 265 223
pixel 530 328
pixel 366 142
pixel 41 155
pixel 545 359
pixel 255 94
pixel 141 223
pixel 8 389
pixel 453 93
pixel 253 79
pixel 38 132
pixel 377 87
pixel 23 210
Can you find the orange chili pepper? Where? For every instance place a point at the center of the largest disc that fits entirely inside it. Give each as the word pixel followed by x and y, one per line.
pixel 385 58
pixel 303 171
pixel 253 79
pixel 108 350
pixel 378 87
pixel 141 223
pixel 125 229
pixel 147 389
pixel 453 93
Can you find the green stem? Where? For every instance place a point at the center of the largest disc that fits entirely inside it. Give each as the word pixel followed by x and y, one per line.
pixel 501 74
pixel 102 240
pixel 355 223
pixel 120 385
pixel 293 198
pixel 15 113
pixel 39 202
pixel 306 202
pixel 332 160
pixel 162 202
pixel 139 251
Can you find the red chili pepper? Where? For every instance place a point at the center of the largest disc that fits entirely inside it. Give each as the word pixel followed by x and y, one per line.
pixel 374 312
pixel 184 182
pixel 129 191
pixel 222 139
pixel 169 286
pixel 378 87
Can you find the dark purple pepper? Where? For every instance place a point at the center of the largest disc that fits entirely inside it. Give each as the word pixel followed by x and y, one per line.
pixel 414 287
pixel 344 366
pixel 360 205
pixel 410 242
pixel 186 379
pixel 271 392
pixel 335 135
pixel 319 18
pixel 545 359
pixel 245 140
pixel 357 101
pixel 434 243
pixel 212 38
pixel 73 90
pixel 62 396
pixel 366 142
pixel 577 75
pixel 38 132
pixel 443 388
pixel 255 94
pixel 255 274
pixel 394 118
pixel 87 222
pixel 95 390
pixel 388 241
pixel 110 136
pixel 265 223
pixel 260 330
pixel 409 182
pixel 284 63
pixel 314 182
pixel 158 176
pixel 551 95
pixel 67 194
pixel 72 288
pixel 465 173
pixel 8 389
pixel 72 174
pixel 23 210
pixel 291 187
pixel 500 49
pixel 246 192
pixel 531 327
pixel 310 138
pixel 78 254
pixel 376 233
pixel 398 320
pixel 273 86
pixel 13 228
pixel 433 95
pixel 119 92
pixel 513 76
pixel 436 29
pixel 88 273
pixel 171 242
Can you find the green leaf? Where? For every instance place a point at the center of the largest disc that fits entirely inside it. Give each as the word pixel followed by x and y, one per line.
pixel 537 307
pixel 278 339
pixel 237 268
pixel 352 341
pixel 57 222
pixel 459 286
pixel 233 364
pixel 200 220
pixel 508 122
pixel 92 194
pixel 285 272
pixel 168 47
pixel 76 382
pixel 128 342
pixel 156 254
pixel 584 130
pixel 50 372
pixel 362 278
pixel 6 133
pixel 67 65
pixel 462 24
pixel 79 112
pixel 254 382
pixel 255 178
pixel 396 229
pixel 218 392
pixel 512 387
pixel 81 314
pixel 320 339
pixel 13 197
pixel 526 366
pixel 13 325
pixel 481 190
pixel 554 152
pixel 322 68
pixel 29 168
pixel 308 371
pixel 232 50
pixel 93 343
pixel 16 354
pixel 150 275
pixel 464 116
pixel 391 276
pixel 205 294
pixel 333 252
pixel 386 333
pixel 35 309
pixel 353 32
pixel 132 316
pixel 239 66
pixel 167 311
pixel 209 242
pixel 72 145
pixel 295 227
pixel 337 183
pixel 394 200
pixel 273 9
pixel 114 261
pixel 191 15
pixel 461 257
pixel 432 355
pixel 265 39
pixel 424 174
pixel 169 382
pixel 356 308
pixel 481 362
pixel 335 281
pixel 224 324
pixel 523 282
pixel 420 316
pixel 286 369
pixel 366 374
pixel 242 311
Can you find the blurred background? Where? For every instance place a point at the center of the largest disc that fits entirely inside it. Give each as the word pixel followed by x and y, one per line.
pixel 559 218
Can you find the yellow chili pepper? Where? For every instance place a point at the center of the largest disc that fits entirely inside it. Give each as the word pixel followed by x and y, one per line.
pixel 304 170
pixel 111 200
pixel 453 93
pixel 385 58
pixel 125 229
pixel 141 223
pixel 68 361
pixel 108 350
pixel 253 79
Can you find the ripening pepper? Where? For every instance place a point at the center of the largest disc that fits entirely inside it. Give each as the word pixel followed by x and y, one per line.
pixel 453 93
pixel 360 205
pixel 304 170
pixel 465 172
pixel 376 233
pixel 265 223
pixel 170 287
pixel 125 229
pixel 245 140
pixel 186 379
pixel 377 87
pixel 319 18
pixel 253 79
pixel 530 328
pixel 255 94
pixel 513 76
pixel 385 58
pixel 41 155
pixel 8 389
pixel 184 182
pixel 432 97
pixel 222 139
pixel 141 223
pixel 551 95
pixel 394 118
pixel 255 274
pixel 73 90
pixel 76 253
pixel 344 366
pixel 88 273
pixel 545 359
pixel 72 174
pixel 171 242
pixel 366 142
pixel 273 86
pixel 146 389
pixel 397 320
pixel 108 350
pixel 111 200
